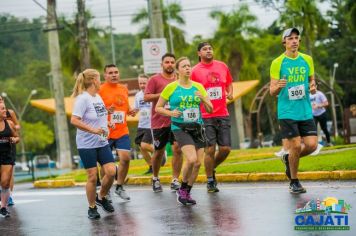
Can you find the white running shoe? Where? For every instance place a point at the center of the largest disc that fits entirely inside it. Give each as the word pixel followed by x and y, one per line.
pixel 281 153
pixel 317 150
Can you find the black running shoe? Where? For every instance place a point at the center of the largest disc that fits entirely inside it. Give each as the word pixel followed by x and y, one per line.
pixel 156 186
pixel 212 187
pixel 105 204
pixel 149 171
pixel 285 161
pixel 93 213
pixel 4 212
pixel 296 188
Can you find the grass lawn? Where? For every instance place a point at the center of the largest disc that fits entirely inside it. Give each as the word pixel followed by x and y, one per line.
pixel 252 160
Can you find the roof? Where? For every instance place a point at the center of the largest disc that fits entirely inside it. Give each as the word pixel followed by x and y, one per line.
pixel 240 89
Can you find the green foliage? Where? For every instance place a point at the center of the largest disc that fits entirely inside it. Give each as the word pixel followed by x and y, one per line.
pixel 37 136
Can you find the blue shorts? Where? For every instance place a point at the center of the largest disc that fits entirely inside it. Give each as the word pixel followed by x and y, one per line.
pixel 121 144
pixel 90 156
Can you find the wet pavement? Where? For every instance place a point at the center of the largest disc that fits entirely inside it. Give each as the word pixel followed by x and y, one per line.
pixel 238 209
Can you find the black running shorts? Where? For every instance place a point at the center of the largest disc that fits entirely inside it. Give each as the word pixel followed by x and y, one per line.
pixel 218 130
pixel 143 136
pixel 161 137
pixel 295 128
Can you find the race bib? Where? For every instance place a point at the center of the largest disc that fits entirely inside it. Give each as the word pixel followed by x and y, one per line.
pixel 118 117
pixel 296 92
pixel 191 115
pixel 145 113
pixel 214 93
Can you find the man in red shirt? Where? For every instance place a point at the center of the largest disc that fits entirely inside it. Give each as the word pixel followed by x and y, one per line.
pixel 215 76
pixel 161 125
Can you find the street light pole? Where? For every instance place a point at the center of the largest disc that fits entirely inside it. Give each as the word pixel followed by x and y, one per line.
pixel 332 81
pixel 20 113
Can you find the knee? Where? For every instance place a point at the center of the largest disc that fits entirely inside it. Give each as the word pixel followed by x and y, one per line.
pixel 225 149
pixel 92 177
pixel 312 146
pixel 5 184
pixel 110 171
pixel 197 164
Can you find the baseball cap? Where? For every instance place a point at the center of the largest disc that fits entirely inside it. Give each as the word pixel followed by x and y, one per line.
pixel 289 31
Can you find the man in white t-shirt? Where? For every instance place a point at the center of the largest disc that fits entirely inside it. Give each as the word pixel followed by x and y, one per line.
pixel 144 134
pixel 319 103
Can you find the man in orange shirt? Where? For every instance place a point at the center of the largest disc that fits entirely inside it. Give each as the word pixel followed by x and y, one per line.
pixel 115 97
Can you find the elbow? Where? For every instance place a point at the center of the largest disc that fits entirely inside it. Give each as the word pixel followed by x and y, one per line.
pixel 146 98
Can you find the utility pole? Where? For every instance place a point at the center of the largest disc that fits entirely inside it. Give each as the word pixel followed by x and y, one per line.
pixel 83 36
pixel 65 160
pixel 111 36
pixel 155 16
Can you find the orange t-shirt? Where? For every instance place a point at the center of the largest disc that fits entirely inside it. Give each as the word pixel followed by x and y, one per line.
pixel 117 95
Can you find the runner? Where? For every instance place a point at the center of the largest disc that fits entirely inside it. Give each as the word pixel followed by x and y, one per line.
pixel 291 74
pixel 161 125
pixel 11 115
pixel 144 135
pixel 216 78
pixel 116 99
pixel 319 103
pixel 185 97
pixel 8 137
pixel 90 118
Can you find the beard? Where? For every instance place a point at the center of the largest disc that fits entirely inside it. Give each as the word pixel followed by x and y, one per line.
pixel 169 70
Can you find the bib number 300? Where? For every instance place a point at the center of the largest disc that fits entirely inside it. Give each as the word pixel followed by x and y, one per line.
pixel 296 92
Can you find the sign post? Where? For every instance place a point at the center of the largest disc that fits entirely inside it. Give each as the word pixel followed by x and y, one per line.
pixel 152 51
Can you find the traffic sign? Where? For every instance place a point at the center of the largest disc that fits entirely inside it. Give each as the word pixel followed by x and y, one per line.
pixel 152 52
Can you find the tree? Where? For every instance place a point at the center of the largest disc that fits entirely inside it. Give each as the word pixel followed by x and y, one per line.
pixel 37 136
pixel 232 41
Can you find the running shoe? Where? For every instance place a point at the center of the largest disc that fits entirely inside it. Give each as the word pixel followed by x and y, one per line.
pixel 190 200
pixel 182 196
pixel 10 202
pixel 296 188
pixel 285 161
pixel 120 191
pixel 317 150
pixel 211 185
pixel 105 204
pixel 149 171
pixel 164 158
pixel 4 212
pixel 281 153
pixel 175 185
pixel 93 213
pixel 156 186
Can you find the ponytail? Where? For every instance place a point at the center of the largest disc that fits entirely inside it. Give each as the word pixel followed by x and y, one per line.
pixel 84 81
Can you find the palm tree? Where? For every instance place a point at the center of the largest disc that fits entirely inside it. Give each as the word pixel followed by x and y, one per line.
pixel 232 40
pixel 174 11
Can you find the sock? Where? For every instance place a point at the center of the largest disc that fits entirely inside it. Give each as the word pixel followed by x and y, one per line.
pixel 155 178
pixel 184 185
pixel 294 181
pixel 189 188
pixel 118 186
pixel 93 206
pixel 210 179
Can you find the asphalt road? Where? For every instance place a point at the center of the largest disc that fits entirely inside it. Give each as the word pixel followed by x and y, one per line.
pixel 238 209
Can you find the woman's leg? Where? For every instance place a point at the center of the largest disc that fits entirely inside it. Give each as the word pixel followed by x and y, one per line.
pixel 6 173
pixel 91 185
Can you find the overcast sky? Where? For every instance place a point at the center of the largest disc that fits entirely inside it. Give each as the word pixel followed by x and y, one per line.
pixel 195 12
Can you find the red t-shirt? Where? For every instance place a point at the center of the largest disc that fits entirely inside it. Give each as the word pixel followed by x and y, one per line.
pixel 155 85
pixel 215 77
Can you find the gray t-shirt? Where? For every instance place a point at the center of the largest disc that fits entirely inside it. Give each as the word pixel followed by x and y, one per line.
pixel 316 99
pixel 92 111
pixel 145 111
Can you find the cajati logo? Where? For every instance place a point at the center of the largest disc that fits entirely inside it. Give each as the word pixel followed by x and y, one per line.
pixel 327 214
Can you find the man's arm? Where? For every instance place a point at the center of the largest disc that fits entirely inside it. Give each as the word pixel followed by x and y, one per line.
pixel 276 86
pixel 229 92
pixel 151 97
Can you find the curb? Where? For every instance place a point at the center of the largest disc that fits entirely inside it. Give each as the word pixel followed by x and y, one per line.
pixel 227 178
pixel 54 183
